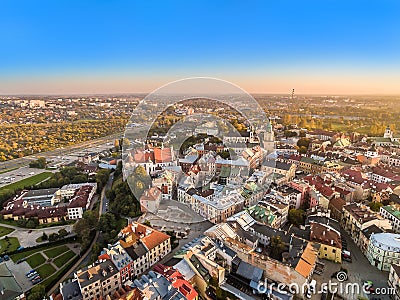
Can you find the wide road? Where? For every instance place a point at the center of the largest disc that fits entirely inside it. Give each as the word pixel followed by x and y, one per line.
pixel 24 161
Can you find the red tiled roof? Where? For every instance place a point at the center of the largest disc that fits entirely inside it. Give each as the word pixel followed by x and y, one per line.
pixel 324 235
pixel 337 203
pixel 178 281
pixel 154 239
pixel 385 173
pixel 162 155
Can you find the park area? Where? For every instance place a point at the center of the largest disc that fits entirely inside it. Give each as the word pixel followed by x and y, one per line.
pixel 49 261
pixel 8 244
pixel 5 230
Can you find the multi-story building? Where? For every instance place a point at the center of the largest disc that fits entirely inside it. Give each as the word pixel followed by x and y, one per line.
pixel 178 281
pixel 314 166
pixel 384 250
pixel 155 286
pixel 275 166
pixel 156 243
pixel 210 204
pixel 381 175
pixel 152 159
pixel 394 281
pixel 150 200
pixel 81 200
pixel 70 290
pixel 270 212
pixel 121 259
pixel 357 217
pixel 97 281
pixel 329 239
pixel 365 236
pixel 394 160
pixel 392 213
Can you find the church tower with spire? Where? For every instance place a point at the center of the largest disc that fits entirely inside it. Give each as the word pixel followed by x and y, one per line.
pixel 268 138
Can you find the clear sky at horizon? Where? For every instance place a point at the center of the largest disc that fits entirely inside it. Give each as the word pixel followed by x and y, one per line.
pixel 332 47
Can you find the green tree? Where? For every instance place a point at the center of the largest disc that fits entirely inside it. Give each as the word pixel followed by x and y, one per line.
pixel 277 247
pixel 107 222
pixel 296 217
pixel 31 224
pixel 102 178
pixel 147 223
pixel 95 252
pixel 375 206
pixel 62 233
pixel 38 292
pixel 53 237
pixel 303 142
pixel 85 226
pixel 40 163
pixel 69 172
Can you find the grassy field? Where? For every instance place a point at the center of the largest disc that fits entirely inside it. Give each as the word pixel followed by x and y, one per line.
pixel 45 270
pixel 56 251
pixel 63 259
pixel 5 230
pixel 27 253
pixel 35 260
pixel 10 244
pixel 35 179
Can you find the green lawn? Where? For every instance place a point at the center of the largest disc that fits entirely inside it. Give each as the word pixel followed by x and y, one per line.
pixel 10 244
pixel 18 256
pixel 35 260
pixel 5 230
pixel 45 270
pixel 63 259
pixel 27 253
pixel 56 251
pixel 35 179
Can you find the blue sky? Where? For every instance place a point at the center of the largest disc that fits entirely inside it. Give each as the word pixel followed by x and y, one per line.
pixel 265 46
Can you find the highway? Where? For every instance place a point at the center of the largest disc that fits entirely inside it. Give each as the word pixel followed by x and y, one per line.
pixel 68 150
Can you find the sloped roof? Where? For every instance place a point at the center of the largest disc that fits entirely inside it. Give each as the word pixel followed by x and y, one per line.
pixel 8 285
pixel 307 261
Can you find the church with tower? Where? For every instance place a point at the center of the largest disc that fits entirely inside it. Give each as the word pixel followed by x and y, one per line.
pixel 389 139
pixel 267 138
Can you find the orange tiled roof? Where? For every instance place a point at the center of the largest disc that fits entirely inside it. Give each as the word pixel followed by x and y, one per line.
pixel 307 261
pixel 154 239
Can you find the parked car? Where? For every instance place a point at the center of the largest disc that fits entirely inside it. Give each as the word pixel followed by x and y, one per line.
pixel 33 274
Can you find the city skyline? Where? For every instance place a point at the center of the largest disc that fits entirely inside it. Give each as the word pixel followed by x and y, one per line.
pixel 122 47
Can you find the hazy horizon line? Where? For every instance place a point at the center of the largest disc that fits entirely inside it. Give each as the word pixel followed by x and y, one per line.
pixel 147 93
